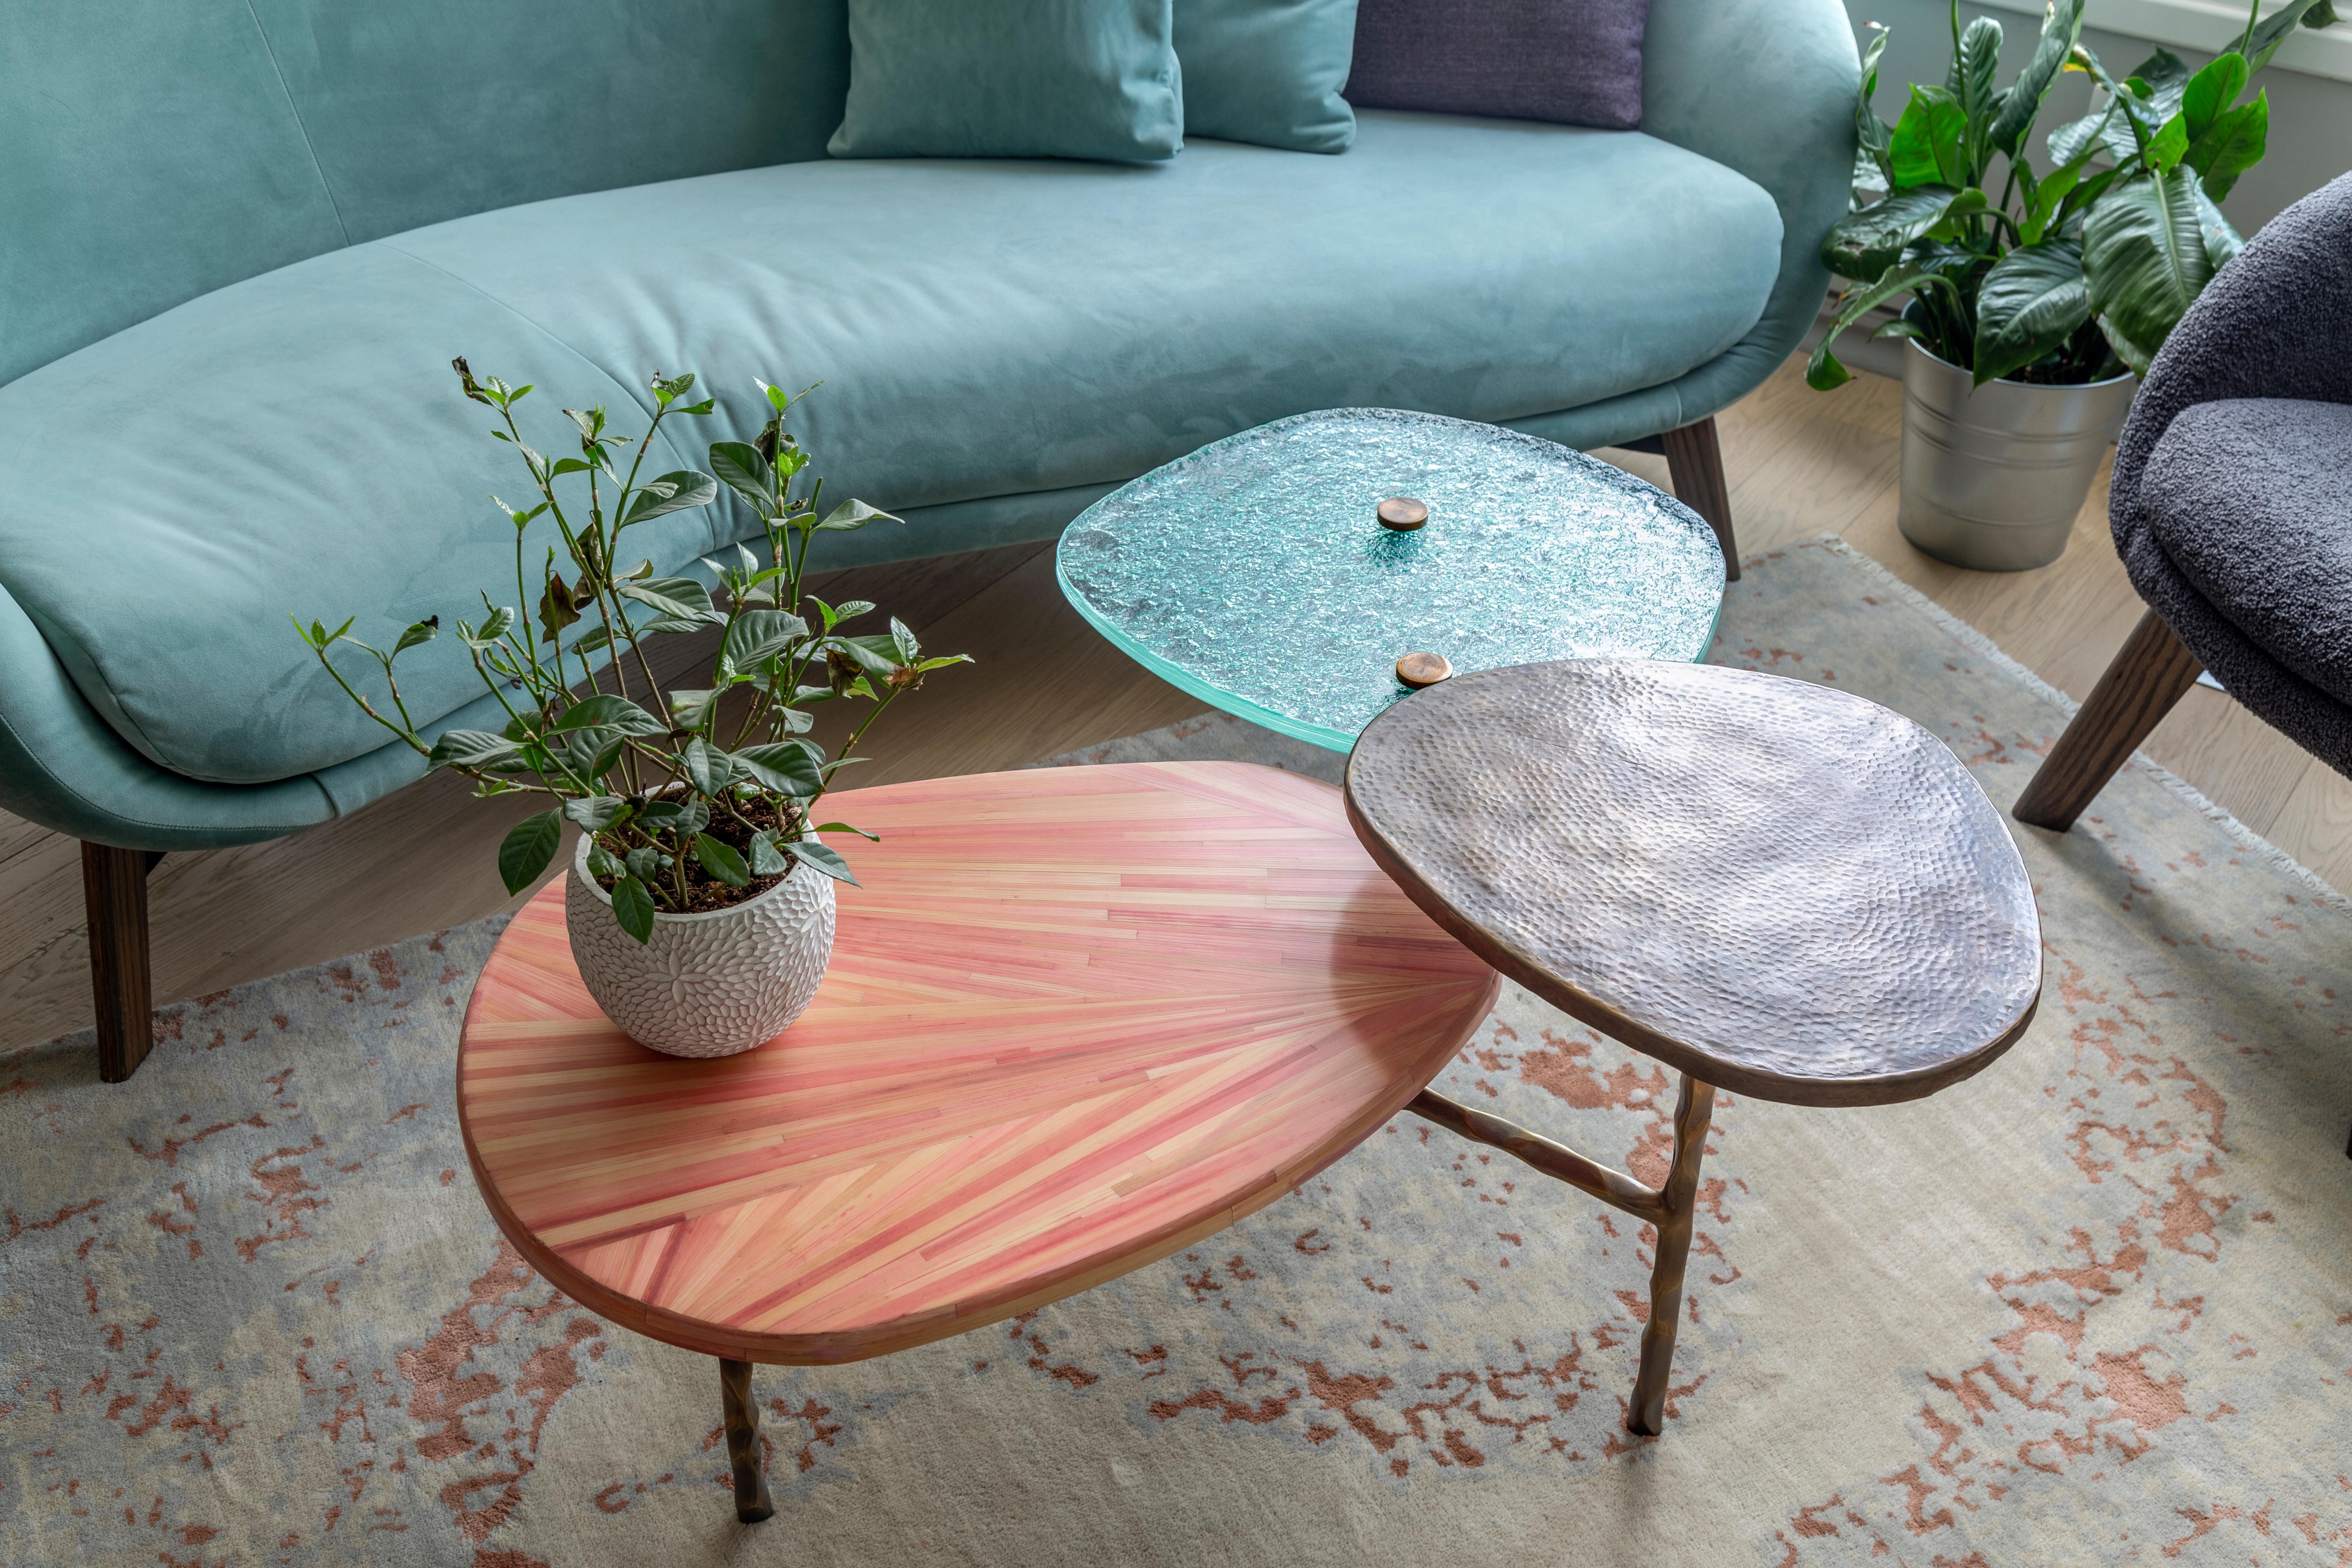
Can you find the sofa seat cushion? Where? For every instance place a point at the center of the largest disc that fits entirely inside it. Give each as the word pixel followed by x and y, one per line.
pixel 297 443
pixel 2252 499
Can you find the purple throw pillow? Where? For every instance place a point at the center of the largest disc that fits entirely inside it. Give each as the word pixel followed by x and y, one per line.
pixel 1573 62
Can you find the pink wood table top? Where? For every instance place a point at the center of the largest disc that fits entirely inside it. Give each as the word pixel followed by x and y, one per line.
pixel 1076 1019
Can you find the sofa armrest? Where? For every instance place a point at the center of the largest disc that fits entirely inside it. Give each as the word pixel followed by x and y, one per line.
pixel 1766 87
pixel 62 767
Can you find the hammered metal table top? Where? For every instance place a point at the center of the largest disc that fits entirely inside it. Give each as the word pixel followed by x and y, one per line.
pixel 1256 574
pixel 1775 886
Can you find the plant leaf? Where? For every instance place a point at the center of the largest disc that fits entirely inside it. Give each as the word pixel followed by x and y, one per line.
pixel 633 907
pixel 2262 38
pixel 692 710
pixel 1973 65
pixel 741 470
pixel 844 827
pixel 707 767
pixel 530 846
pixel 1863 245
pixel 606 711
pixel 681 492
pixel 785 766
pixel 595 813
pixel 2167 77
pixel 472 749
pixel 855 514
pixel 2022 101
pixel 720 860
pixel 1822 371
pixel 680 598
pixel 675 815
pixel 824 860
pixel 421 632
pixel 2233 143
pixel 2029 305
pixel 2144 260
pixel 767 861
pixel 2212 90
pixel 1926 146
pixel 756 636
pixel 904 641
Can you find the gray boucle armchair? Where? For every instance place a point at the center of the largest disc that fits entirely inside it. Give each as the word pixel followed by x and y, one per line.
pixel 2232 507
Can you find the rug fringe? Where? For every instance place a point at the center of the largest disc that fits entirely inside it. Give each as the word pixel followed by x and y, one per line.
pixel 1986 649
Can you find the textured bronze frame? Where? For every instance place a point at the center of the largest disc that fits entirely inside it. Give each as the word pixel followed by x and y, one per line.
pixel 743 1417
pixel 1669 1209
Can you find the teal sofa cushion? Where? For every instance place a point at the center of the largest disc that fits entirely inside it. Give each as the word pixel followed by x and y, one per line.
pixel 986 331
pixel 1012 78
pixel 1268 71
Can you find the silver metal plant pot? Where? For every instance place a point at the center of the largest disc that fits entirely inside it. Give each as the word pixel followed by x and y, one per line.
pixel 1993 476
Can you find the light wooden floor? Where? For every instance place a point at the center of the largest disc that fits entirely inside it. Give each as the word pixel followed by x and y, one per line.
pixel 1800 464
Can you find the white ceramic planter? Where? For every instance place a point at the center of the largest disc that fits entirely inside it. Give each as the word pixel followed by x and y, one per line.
pixel 1994 475
pixel 706 984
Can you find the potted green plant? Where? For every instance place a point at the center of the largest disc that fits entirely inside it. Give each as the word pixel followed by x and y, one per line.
pixel 2030 316
pixel 700 903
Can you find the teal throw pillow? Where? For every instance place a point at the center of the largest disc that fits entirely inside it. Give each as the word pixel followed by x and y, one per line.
pixel 1012 78
pixel 1268 71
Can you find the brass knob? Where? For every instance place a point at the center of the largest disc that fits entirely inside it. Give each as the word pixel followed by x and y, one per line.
pixel 1404 513
pixel 1420 669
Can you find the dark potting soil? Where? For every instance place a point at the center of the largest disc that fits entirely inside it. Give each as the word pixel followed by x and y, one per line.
pixel 704 891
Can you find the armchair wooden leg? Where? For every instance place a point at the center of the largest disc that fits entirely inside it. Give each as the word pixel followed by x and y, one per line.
pixel 2150 673
pixel 114 892
pixel 1695 463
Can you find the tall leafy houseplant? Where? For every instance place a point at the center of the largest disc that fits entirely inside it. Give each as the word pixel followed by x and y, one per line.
pixel 696 802
pixel 2073 275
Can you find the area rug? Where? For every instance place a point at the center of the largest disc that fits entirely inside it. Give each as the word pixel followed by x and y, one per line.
pixel 2093 1306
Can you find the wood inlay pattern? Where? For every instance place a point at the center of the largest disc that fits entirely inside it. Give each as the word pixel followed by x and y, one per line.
pixel 1076 1018
pixel 1772 886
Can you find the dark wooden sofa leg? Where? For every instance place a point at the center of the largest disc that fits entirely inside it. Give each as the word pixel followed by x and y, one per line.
pixel 114 892
pixel 2146 676
pixel 1695 463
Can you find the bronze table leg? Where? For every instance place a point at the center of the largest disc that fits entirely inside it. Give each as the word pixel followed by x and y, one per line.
pixel 1672 1209
pixel 751 1504
pixel 1680 1194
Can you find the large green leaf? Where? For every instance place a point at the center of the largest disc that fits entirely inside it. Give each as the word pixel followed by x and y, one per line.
pixel 1973 65
pixel 2212 90
pixel 1822 371
pixel 2029 305
pixel 824 860
pixel 675 598
pixel 606 711
pixel 1871 134
pixel 788 767
pixel 741 470
pixel 2234 143
pixel 2167 77
pixel 2262 38
pixel 472 749
pixel 2144 260
pixel 1863 245
pixel 2018 105
pixel 633 907
pixel 721 860
pixel 757 635
pixel 1927 148
pixel 529 846
pixel 2223 240
pixel 679 491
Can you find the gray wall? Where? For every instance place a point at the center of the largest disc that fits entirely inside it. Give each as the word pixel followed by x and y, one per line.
pixel 2311 117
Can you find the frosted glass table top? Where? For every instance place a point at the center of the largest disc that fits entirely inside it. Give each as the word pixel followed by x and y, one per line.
pixel 1256 574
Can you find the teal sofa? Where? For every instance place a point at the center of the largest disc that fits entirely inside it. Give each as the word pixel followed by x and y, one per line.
pixel 240 244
